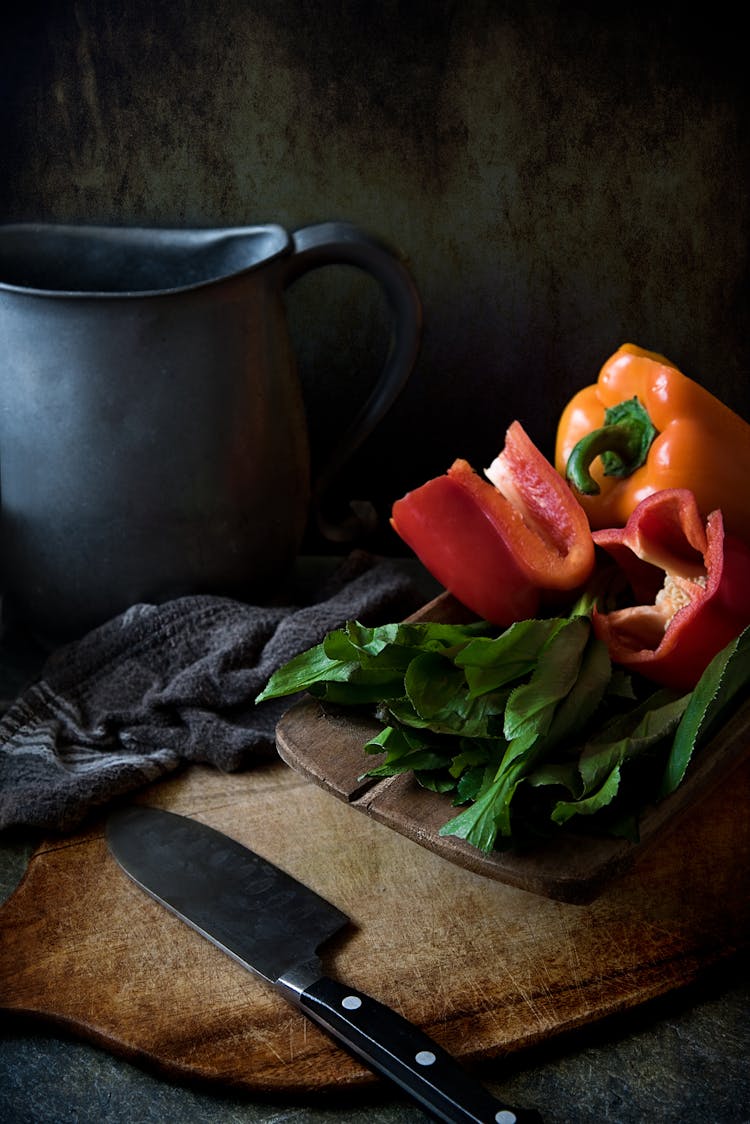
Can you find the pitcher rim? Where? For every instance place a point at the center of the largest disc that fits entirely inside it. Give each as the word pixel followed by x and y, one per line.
pixel 285 243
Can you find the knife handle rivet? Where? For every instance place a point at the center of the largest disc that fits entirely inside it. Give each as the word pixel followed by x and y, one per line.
pixel 425 1057
pixel 351 1002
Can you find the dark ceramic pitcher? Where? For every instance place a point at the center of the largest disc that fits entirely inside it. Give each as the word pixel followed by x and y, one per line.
pixel 153 436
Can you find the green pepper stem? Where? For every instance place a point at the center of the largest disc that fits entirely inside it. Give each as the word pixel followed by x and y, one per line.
pixel 622 443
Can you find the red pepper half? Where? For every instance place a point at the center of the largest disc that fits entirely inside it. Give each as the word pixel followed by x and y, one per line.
pixel 692 580
pixel 500 548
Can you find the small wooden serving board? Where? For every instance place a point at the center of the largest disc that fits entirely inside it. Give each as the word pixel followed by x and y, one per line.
pixel 326 745
pixel 327 748
pixel 484 967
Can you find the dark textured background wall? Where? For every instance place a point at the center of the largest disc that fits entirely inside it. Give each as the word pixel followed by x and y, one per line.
pixel 561 177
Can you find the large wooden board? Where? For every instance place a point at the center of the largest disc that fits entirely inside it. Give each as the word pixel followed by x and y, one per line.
pixel 485 968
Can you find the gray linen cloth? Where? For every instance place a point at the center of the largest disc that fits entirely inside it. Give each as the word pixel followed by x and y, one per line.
pixel 161 685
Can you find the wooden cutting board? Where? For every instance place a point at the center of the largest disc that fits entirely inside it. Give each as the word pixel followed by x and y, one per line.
pixel 484 967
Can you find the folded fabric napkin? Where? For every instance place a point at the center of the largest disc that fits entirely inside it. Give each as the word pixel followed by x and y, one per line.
pixel 165 684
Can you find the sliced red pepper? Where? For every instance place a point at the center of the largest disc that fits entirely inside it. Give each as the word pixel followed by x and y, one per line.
pixel 693 582
pixel 500 548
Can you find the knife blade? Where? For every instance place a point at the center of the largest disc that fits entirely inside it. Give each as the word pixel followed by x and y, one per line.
pixel 274 926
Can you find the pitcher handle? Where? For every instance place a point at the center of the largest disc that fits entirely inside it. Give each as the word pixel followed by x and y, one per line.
pixel 340 243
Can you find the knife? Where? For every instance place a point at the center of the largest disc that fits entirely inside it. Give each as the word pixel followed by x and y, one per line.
pixel 274 926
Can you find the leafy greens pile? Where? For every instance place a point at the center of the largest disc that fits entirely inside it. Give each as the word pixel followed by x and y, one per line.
pixel 526 728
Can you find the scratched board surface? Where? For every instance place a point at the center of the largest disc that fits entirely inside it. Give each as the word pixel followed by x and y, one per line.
pixel 484 967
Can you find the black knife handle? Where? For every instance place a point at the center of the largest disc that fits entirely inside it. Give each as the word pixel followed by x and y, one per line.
pixel 395 1048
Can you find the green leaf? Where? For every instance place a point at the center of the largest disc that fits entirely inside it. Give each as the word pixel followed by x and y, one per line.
pixel 588 805
pixel 531 706
pixel 489 816
pixel 368 652
pixel 302 671
pixel 378 743
pixel 559 774
pixel 630 735
pixel 618 744
pixel 437 691
pixel 405 751
pixel 356 693
pixel 621 684
pixel 723 682
pixel 394 645
pixel 479 823
pixel 469 784
pixel 411 762
pixel 472 753
pixel 584 697
pixel 492 662
pixel 434 780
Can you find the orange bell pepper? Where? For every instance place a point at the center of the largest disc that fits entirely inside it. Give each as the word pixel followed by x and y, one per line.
pixel 502 547
pixel 643 427
pixel 692 585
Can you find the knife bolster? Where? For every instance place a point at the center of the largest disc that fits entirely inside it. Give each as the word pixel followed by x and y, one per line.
pixel 297 979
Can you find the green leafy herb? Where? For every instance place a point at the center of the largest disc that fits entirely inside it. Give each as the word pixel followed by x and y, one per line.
pixel 725 679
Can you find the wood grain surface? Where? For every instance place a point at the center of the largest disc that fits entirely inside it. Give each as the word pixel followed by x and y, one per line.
pixel 484 967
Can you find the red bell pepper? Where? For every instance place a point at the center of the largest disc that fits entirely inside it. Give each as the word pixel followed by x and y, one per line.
pixel 502 547
pixel 693 584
